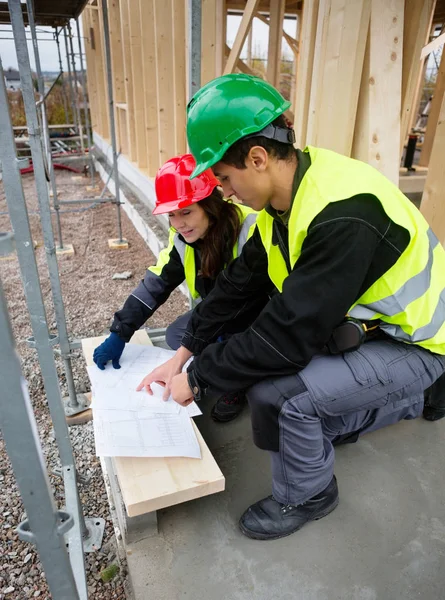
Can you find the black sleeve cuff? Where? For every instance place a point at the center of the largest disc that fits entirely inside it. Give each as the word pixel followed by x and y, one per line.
pixel 195 345
pixel 198 387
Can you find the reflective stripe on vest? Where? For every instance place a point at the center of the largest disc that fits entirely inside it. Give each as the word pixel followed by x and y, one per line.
pixel 187 253
pixel 409 298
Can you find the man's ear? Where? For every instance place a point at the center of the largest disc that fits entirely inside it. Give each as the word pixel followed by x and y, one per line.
pixel 258 158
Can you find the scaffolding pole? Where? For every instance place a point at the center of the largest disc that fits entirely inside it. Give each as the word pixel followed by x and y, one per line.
pixel 85 104
pixel 45 525
pixel 74 404
pixel 111 110
pixel 194 16
pixel 20 222
pixel 44 120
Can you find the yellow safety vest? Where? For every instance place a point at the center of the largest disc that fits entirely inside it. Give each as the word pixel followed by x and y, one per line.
pixel 187 253
pixel 409 298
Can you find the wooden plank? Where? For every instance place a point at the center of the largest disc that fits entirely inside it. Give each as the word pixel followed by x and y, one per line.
pixel 433 205
pixel 433 116
pixel 412 184
pixel 99 59
pixel 377 128
pixel 150 85
pixel 338 64
pixel 180 79
pixel 243 30
pixel 208 41
pixel 128 79
pixel 434 45
pixel 164 66
pixel 417 26
pixel 242 66
pixel 90 68
pixel 300 101
pixel 137 88
pixel 275 41
pixel 114 19
pixel 149 484
pixel 293 42
pixel 221 35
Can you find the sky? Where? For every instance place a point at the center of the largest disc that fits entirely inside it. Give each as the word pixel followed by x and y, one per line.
pixel 48 48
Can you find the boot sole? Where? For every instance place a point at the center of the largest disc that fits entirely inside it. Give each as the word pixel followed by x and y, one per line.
pixel 264 536
pixel 223 419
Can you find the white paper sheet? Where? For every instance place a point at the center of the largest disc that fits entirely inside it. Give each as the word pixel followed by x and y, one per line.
pixel 130 423
pixel 144 433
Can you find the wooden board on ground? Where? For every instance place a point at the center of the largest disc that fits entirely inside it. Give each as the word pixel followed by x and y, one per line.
pixel 149 484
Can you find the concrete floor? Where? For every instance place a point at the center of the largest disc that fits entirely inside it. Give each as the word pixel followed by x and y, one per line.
pixel 385 541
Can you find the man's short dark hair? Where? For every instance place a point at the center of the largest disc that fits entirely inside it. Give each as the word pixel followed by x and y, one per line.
pixel 237 153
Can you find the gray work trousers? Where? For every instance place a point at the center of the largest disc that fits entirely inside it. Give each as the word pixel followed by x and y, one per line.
pixel 175 331
pixel 380 384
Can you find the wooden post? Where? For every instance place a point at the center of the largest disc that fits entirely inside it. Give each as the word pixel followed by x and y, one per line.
pixel 179 66
pixel 220 36
pixel 150 85
pixel 275 39
pixel 91 79
pixel 337 69
pixel 114 18
pixel 243 30
pixel 433 205
pixel 100 73
pixel 417 26
pixel 126 48
pixel 164 69
pixel 300 104
pixel 377 129
pixel 208 41
pixel 433 116
pixel 136 66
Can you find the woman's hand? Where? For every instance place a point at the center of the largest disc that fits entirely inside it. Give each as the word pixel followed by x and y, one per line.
pixel 164 374
pixel 180 390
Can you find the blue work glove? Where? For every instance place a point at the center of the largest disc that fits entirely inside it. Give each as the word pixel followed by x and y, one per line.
pixel 110 349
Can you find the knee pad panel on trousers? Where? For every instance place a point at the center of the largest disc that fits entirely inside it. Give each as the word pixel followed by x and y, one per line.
pixel 265 400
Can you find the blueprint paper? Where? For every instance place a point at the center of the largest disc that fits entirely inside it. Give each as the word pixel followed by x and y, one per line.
pixel 130 423
pixel 129 433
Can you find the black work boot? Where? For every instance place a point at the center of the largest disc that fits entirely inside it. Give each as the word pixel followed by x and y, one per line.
pixel 228 407
pixel 434 408
pixel 268 519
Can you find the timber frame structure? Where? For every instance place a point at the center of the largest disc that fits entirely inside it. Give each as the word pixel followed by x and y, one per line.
pixel 357 74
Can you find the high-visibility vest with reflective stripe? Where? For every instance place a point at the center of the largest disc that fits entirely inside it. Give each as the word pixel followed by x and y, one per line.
pixel 187 253
pixel 409 298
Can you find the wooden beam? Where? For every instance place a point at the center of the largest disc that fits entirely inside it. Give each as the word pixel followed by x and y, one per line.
pixel 433 116
pixel 293 43
pixel 433 205
pixel 208 40
pixel 130 132
pixel 150 86
pixel 434 45
pixel 275 40
pixel 149 484
pixel 221 35
pixel 417 27
pixel 99 60
pixel 136 64
pixel 164 69
pixel 300 103
pixel 338 64
pixel 292 6
pixel 114 18
pixel 242 66
pixel 243 30
pixel 90 68
pixel 377 128
pixel 179 69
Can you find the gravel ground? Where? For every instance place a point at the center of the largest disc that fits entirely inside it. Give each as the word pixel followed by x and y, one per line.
pixel 90 297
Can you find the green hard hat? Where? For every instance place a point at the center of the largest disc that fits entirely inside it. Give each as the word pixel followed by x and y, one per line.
pixel 227 109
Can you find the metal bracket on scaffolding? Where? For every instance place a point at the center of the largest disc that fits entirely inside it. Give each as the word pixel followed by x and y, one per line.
pixel 66 521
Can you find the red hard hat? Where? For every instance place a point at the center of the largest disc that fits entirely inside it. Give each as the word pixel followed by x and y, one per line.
pixel 175 190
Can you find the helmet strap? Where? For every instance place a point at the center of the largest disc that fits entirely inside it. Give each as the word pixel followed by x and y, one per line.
pixel 271 132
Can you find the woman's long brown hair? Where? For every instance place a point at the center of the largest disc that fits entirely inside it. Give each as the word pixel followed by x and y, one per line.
pixel 222 234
